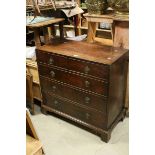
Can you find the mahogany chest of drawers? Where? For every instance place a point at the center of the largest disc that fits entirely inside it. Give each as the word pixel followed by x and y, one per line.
pixel 84 83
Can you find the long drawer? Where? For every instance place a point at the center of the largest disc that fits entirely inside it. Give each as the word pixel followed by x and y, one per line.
pixel 81 97
pixel 74 64
pixel 89 116
pixel 74 79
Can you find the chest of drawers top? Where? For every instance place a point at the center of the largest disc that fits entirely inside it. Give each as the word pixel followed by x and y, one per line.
pixel 85 51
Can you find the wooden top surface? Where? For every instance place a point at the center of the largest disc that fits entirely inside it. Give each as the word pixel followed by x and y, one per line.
pixel 45 23
pixel 121 18
pixel 111 16
pixel 87 51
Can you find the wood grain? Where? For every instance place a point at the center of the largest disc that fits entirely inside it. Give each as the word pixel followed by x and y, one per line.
pixel 29 91
pixel 45 23
pixel 95 118
pixel 119 33
pixel 37 37
pixel 77 93
pixel 32 68
pixel 104 41
pixel 96 102
pixel 46 35
pixel 119 29
pixel 99 18
pixel 33 146
pixel 85 51
pixel 29 127
pixel 94 85
pixel 90 68
pixel 121 37
pixel 91 31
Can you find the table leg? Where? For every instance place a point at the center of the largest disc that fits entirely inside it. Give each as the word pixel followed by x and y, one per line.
pixel 53 32
pixel 76 24
pixel 46 36
pixel 37 38
pixel 61 30
pixel 91 31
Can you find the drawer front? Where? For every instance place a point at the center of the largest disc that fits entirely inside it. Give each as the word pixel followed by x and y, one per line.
pixel 78 65
pixel 51 59
pixel 83 82
pixel 83 114
pixel 89 100
pixel 93 69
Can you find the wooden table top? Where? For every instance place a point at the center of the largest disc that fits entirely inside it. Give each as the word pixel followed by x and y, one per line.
pixel 110 16
pixel 45 23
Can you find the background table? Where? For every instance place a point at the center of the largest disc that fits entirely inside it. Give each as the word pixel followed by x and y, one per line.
pixel 119 27
pixel 45 25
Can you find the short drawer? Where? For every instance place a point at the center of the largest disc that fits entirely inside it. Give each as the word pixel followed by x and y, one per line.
pixel 89 68
pixel 76 80
pixel 52 59
pixel 81 97
pixel 74 64
pixel 89 116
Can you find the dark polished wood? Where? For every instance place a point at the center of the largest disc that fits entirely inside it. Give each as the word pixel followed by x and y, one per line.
pixel 84 114
pixel 84 83
pixel 71 93
pixel 106 55
pixel 85 67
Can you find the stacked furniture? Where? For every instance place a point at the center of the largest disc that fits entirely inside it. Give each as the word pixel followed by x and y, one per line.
pixel 84 83
pixel 32 69
pixel 32 84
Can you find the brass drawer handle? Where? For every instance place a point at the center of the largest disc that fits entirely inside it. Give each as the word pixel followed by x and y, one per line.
pixel 86 69
pixel 84 116
pixel 87 116
pixel 87 100
pixel 87 84
pixel 51 61
pixel 52 73
pixel 54 88
pixel 56 103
